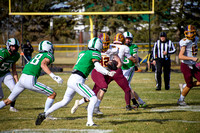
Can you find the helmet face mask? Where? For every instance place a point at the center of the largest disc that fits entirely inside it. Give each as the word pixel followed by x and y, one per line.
pixel 12 42
pixel 130 38
pixel 46 46
pixel 105 40
pixel 119 39
pixel 95 44
pixel 190 32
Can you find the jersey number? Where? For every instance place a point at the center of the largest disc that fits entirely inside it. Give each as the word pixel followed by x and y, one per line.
pixel 79 57
pixel 36 59
pixel 126 61
pixel 194 50
pixel 5 66
pixel 104 61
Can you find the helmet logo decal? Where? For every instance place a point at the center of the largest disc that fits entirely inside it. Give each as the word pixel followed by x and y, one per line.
pixel 94 42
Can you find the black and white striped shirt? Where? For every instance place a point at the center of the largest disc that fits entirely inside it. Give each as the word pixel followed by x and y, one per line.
pixel 159 47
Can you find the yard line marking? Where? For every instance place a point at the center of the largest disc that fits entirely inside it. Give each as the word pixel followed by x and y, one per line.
pixel 179 108
pixel 59 130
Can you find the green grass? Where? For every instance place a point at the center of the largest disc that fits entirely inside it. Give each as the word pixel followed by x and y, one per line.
pixel 162 114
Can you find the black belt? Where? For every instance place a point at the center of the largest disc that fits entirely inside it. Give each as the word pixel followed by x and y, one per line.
pixel 79 73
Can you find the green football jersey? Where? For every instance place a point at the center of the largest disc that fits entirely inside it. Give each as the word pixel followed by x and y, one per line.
pixel 7 61
pixel 33 67
pixel 128 63
pixel 84 62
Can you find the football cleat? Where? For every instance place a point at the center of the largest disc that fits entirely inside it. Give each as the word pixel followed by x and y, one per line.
pixel 135 106
pixel 40 118
pixel 129 108
pixel 144 105
pixel 12 109
pixel 91 125
pixel 97 111
pixel 181 103
pixel 75 107
pixel 158 89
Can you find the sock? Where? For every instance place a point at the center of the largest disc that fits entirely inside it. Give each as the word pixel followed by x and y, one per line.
pixel 48 104
pixel 2 104
pixel 134 101
pixel 98 103
pixel 140 101
pixel 12 104
pixel 58 105
pixel 184 85
pixel 82 101
pixel 90 109
pixel 181 98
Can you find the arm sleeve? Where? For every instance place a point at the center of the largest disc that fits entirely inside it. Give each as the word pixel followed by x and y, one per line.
pixel 127 52
pixel 154 51
pixel 100 69
pixel 172 49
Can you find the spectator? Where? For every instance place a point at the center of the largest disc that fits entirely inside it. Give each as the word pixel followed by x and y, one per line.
pixel 162 50
pixel 27 50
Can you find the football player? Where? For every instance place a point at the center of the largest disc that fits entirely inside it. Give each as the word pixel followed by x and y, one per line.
pixel 31 73
pixel 86 62
pixel 109 53
pixel 8 58
pixel 129 67
pixel 188 56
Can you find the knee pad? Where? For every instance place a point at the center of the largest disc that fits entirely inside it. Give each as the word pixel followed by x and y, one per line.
pixel 103 89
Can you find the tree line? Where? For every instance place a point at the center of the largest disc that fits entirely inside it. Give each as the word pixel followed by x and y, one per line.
pixel 171 16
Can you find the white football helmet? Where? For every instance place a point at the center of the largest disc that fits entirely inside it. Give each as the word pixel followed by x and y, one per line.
pixel 95 44
pixel 13 42
pixel 45 46
pixel 128 35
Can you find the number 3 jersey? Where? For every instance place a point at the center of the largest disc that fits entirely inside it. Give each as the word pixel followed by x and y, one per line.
pixel 190 50
pixel 108 55
pixel 33 67
pixel 6 61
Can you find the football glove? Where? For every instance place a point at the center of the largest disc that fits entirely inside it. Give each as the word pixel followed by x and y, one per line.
pixel 111 74
pixel 58 79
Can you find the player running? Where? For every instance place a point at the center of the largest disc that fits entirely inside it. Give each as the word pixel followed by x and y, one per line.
pixel 31 73
pixel 129 67
pixel 188 56
pixel 109 53
pixel 8 58
pixel 86 62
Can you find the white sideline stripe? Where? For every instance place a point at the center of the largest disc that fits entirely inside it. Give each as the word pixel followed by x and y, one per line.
pixel 179 108
pixel 58 130
pixel 119 119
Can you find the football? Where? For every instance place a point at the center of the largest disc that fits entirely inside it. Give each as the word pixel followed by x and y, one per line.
pixel 112 65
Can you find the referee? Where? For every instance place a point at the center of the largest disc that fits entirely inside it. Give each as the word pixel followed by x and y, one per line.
pixel 162 50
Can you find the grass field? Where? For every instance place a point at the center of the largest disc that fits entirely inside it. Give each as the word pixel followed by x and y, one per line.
pixel 161 115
